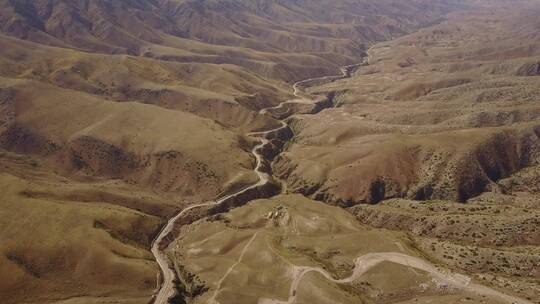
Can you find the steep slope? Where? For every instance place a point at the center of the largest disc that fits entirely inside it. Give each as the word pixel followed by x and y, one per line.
pixel 494 237
pixel 262 36
pixel 225 93
pixel 57 232
pixel 82 134
pixel 439 114
pixel 116 115
pixel 290 249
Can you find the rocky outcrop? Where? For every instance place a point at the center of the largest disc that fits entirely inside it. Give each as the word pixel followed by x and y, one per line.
pixel 167 171
pixel 277 140
pixel 21 139
pixel 266 190
pixel 450 221
pixel 416 171
pixel 416 90
pixel 529 69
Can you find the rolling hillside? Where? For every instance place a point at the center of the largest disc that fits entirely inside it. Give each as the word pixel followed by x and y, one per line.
pixel 115 115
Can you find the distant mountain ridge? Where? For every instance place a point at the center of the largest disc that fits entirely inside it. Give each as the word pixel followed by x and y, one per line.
pixel 334 32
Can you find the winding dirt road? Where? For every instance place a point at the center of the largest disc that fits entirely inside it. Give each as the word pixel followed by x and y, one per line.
pixel 167 288
pixel 346 72
pixel 370 260
pixel 362 263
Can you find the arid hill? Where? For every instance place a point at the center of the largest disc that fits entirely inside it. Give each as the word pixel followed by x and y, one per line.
pixel 279 39
pixel 443 113
pixel 290 247
pixel 115 115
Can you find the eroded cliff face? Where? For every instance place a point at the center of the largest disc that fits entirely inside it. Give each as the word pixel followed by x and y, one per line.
pixel 281 40
pixel 413 169
pixel 117 115
pixel 440 127
pixel 106 140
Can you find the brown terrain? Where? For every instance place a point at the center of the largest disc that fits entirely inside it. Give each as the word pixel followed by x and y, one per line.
pixel 210 140
pixel 443 113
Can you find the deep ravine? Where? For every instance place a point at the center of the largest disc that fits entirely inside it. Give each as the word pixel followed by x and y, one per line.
pixel 167 288
pixel 264 188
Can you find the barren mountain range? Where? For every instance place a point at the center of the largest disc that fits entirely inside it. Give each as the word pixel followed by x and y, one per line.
pixel 269 151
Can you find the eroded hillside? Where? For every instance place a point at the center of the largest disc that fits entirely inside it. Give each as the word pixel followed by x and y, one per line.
pixel 279 39
pixel 443 113
pixel 122 121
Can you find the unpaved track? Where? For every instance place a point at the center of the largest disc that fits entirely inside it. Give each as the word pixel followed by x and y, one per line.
pixel 167 290
pixel 362 264
pixel 346 72
pixel 218 288
pixel 368 261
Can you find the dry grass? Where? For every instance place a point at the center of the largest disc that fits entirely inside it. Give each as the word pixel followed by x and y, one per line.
pixel 74 132
pixel 114 115
pixel 432 116
pixel 288 230
pixel 56 233
pixel 494 236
